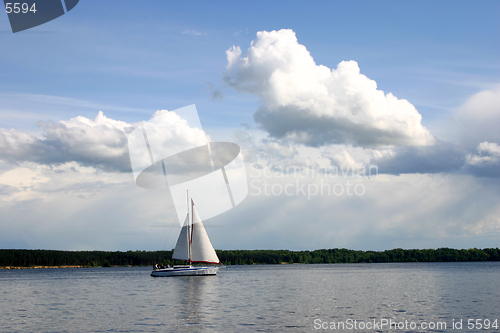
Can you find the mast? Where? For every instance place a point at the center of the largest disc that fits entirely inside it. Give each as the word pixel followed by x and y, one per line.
pixel 188 234
pixel 184 248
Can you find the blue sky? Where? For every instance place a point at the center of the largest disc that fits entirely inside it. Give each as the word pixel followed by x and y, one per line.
pixel 129 59
pixel 137 56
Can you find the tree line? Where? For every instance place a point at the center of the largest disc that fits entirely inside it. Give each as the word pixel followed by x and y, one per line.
pixel 30 258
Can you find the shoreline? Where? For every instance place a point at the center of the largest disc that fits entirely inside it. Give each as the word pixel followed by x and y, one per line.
pixel 61 266
pixel 38 267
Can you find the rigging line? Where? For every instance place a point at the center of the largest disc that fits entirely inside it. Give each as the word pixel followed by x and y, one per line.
pixel 168 236
pixel 228 187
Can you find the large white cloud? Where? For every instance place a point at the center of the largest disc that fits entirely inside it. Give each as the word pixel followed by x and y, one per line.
pixel 315 105
pixel 100 142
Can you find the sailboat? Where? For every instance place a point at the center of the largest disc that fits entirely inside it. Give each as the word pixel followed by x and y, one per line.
pixel 193 246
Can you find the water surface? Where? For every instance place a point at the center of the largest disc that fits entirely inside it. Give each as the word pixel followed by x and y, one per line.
pixel 267 298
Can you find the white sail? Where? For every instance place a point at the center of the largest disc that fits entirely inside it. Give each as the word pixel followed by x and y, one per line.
pixel 201 247
pixel 181 251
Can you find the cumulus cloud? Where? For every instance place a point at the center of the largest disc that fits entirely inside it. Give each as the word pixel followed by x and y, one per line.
pixel 100 142
pixel 286 157
pixel 315 105
pixel 487 163
pixel 477 120
pixel 490 154
pixel 350 158
pixel 268 152
pixel 171 133
pixel 472 150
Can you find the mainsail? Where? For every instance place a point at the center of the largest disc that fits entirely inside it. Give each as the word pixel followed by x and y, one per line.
pixel 193 244
pixel 201 247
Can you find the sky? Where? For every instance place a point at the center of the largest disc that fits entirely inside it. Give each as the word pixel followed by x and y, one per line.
pixel 363 125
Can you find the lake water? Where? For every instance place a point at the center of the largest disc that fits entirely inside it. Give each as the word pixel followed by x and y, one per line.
pixel 268 298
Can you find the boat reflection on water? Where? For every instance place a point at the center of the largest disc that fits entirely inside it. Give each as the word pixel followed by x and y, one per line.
pixel 197 303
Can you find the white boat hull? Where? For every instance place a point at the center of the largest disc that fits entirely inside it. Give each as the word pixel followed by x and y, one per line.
pixel 185 271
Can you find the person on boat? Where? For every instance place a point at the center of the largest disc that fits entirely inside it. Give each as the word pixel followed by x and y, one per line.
pixel 155 267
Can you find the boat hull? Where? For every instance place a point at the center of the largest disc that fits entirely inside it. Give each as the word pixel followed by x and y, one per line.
pixel 185 271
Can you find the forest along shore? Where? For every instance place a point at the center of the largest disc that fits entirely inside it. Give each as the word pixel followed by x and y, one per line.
pixel 15 259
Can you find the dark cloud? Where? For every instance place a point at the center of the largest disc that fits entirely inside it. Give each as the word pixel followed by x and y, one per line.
pixel 490 171
pixel 217 94
pixel 441 157
pixel 293 124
